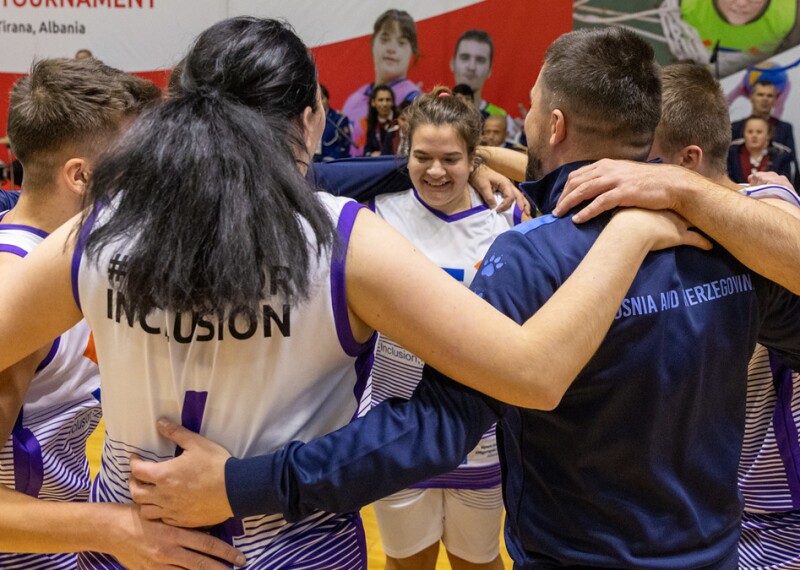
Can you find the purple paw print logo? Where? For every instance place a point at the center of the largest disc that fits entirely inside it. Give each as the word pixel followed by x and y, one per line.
pixel 491 265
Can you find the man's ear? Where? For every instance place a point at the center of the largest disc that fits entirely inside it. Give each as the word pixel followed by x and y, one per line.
pixel 75 174
pixel 558 127
pixel 691 157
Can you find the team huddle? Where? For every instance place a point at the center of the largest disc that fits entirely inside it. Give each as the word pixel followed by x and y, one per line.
pixel 615 374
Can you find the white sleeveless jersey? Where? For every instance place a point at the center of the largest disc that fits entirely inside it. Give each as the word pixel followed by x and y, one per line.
pixel 457 244
pixel 769 468
pixel 45 456
pixel 251 385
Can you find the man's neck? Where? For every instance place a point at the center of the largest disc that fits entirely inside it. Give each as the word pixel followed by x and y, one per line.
pixel 724 180
pixel 45 211
pixel 476 97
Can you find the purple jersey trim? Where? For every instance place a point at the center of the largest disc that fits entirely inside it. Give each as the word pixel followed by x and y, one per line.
pixel 344 331
pixel 80 244
pixel 8 248
pixel 50 355
pixel 517 214
pixel 20 227
pixel 786 432
pixel 371 204
pixel 450 218
pixel 783 191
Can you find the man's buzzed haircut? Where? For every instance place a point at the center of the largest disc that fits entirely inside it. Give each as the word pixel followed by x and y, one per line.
pixel 694 112
pixel 480 36
pixel 607 81
pixel 70 105
pixel 763 83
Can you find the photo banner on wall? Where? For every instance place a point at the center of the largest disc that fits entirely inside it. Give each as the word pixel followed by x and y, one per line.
pixel 149 36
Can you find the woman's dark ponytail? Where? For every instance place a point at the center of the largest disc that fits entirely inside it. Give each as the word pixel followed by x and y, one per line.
pixel 207 185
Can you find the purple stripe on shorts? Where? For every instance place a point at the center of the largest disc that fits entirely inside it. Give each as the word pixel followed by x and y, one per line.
pixel 344 331
pixel 28 462
pixel 454 217
pixel 50 355
pixel 29 229
pixel 80 244
pixel 8 248
pixel 465 478
pixel 786 432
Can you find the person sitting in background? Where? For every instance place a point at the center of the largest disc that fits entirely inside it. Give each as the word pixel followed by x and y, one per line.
pixel 380 118
pixel 495 133
pixel 336 139
pixel 755 152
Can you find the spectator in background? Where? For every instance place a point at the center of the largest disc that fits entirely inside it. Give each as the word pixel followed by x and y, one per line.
pixel 495 133
pixel 763 95
pixel 380 118
pixel 394 43
pixel 336 139
pixel 83 54
pixel 755 152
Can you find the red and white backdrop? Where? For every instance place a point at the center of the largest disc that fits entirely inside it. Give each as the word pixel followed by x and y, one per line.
pixel 148 36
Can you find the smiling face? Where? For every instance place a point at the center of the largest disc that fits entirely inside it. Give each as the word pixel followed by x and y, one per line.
pixel 472 63
pixel 439 166
pixel 391 53
pixel 383 102
pixel 740 12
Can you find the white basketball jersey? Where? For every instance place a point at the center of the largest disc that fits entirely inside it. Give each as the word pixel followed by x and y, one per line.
pixel 251 385
pixel 768 468
pixel 457 244
pixel 45 456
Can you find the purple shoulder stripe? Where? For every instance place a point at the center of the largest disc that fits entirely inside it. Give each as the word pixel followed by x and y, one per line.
pixel 50 355
pixel 450 218
pixel 8 248
pixel 338 289
pixel 80 244
pixel 29 229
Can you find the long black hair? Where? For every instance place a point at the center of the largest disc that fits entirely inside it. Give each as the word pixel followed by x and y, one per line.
pixel 207 185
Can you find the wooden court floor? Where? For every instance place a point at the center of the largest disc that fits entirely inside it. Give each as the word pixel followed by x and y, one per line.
pixel 376 557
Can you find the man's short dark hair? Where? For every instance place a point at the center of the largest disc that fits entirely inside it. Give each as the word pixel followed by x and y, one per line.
pixel 694 112
pixel 71 104
pixel 608 82
pixel 324 90
pixel 763 83
pixel 463 89
pixel 480 36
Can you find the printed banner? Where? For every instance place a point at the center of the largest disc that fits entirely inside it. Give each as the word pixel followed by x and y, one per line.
pixel 149 36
